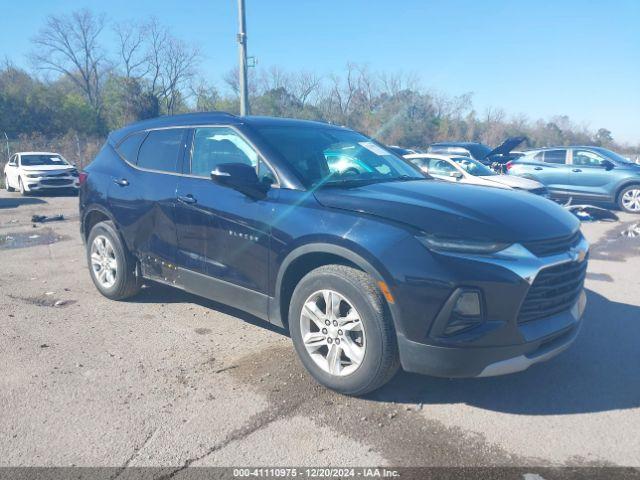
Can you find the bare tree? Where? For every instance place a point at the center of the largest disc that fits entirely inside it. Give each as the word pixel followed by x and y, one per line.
pixel 157 36
pixel 68 44
pixel 305 86
pixel 131 49
pixel 177 68
pixel 273 78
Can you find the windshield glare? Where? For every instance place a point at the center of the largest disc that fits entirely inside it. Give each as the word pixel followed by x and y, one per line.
pixel 42 160
pixel 473 167
pixel 334 156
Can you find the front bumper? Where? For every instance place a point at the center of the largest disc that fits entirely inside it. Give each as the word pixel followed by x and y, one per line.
pixel 504 343
pixel 545 339
pixel 44 183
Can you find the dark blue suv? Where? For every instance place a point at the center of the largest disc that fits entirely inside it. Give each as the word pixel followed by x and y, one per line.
pixel 368 268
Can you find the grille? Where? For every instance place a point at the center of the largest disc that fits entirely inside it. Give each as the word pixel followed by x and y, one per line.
pixel 544 248
pixel 554 290
pixel 64 174
pixel 55 181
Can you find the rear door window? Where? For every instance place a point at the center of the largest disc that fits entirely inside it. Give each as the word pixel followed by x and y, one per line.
pixel 555 156
pixel 161 149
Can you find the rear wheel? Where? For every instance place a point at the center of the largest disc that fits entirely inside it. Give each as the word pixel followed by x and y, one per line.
pixel 342 331
pixel 629 199
pixel 112 267
pixel 7 186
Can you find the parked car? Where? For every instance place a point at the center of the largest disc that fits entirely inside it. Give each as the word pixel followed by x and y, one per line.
pixel 466 170
pixel 585 173
pixel 367 271
pixel 401 150
pixel 479 151
pixel 37 171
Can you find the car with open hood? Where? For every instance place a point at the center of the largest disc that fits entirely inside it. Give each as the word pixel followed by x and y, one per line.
pixel 502 154
pixel 367 269
pixel 466 170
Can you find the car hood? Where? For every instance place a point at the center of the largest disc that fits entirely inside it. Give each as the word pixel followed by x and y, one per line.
pixel 515 182
pixel 505 147
pixel 466 211
pixel 46 168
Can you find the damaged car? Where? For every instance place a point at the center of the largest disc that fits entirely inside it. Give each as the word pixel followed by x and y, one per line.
pixel 368 270
pixel 36 171
pixel 500 155
pixel 466 170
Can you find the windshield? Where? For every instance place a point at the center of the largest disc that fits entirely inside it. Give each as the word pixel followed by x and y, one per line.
pixel 611 155
pixel 42 160
pixel 333 156
pixel 473 167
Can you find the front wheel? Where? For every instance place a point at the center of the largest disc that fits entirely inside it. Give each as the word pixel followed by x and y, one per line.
pixel 342 330
pixel 629 199
pixel 23 191
pixel 112 267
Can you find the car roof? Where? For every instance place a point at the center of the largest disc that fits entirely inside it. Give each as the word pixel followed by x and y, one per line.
pixel 38 153
pixel 206 118
pixel 454 144
pixel 437 156
pixel 586 147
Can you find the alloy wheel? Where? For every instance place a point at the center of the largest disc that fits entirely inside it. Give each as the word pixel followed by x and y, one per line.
pixel 631 200
pixel 103 261
pixel 332 332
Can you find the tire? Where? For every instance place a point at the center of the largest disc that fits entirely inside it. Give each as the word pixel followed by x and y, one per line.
pixel 121 279
pixel 6 185
pixel 629 199
pixel 23 192
pixel 377 359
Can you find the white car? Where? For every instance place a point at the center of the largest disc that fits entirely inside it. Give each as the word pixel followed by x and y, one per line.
pixel 36 171
pixel 461 169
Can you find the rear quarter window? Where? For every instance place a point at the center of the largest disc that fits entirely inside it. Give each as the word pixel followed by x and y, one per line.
pixel 129 147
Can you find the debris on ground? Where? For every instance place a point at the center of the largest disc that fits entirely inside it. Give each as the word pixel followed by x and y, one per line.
pixel 591 213
pixel 45 218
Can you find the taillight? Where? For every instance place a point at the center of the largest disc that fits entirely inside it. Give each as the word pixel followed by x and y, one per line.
pixel 509 165
pixel 82 177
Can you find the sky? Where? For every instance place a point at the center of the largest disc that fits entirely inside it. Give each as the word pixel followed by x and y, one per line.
pixel 539 58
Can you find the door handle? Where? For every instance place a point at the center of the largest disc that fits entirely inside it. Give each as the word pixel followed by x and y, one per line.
pixel 537 168
pixel 188 199
pixel 576 170
pixel 123 182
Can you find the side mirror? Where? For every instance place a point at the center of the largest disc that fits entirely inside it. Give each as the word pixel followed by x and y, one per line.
pixel 608 165
pixel 456 175
pixel 241 177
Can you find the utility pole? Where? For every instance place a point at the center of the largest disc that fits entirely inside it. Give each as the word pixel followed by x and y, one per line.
pixel 8 151
pixel 242 53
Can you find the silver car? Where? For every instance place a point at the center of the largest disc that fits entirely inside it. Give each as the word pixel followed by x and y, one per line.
pixel 461 169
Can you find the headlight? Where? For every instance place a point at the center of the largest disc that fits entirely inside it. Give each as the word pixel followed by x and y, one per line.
pixel 33 175
pixel 74 173
pixel 461 245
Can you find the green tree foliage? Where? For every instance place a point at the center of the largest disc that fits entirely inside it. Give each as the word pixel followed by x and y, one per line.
pixel 150 72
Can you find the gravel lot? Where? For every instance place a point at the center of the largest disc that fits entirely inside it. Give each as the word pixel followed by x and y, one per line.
pixel 169 379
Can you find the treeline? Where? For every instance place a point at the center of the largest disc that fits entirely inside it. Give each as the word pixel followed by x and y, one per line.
pixel 77 91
